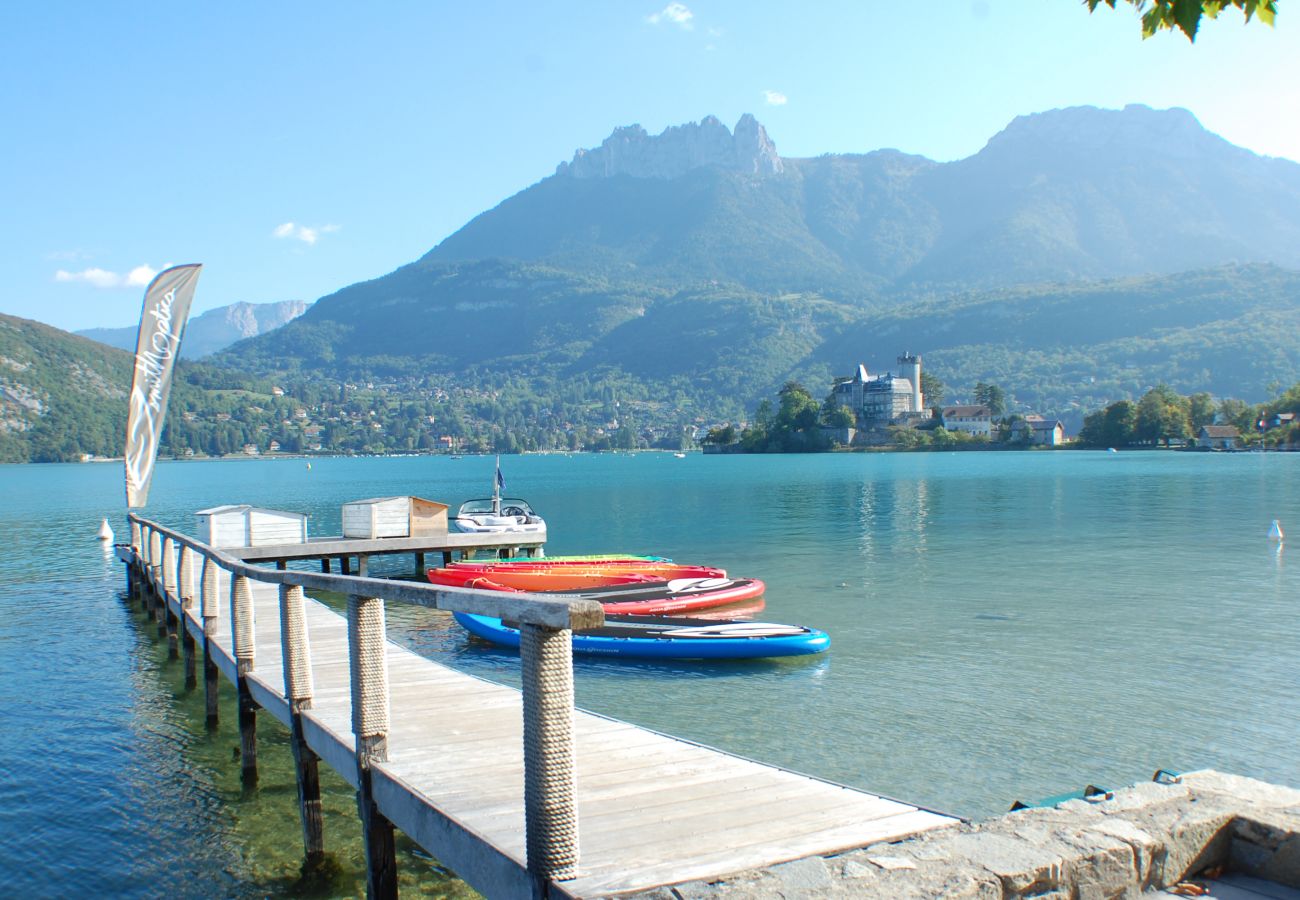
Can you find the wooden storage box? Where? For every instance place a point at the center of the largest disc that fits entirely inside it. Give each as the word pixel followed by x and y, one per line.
pixel 394 517
pixel 241 525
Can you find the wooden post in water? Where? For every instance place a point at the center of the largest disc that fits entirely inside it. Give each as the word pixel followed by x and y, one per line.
pixel 187 603
pixel 345 565
pixel 446 558
pixel 241 621
pixel 325 564
pixel 419 566
pixel 152 551
pixel 368 666
pixel 169 620
pixel 295 648
pixel 363 565
pixel 133 567
pixel 210 609
pixel 550 799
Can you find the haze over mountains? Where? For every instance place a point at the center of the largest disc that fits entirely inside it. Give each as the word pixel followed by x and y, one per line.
pixel 675 280
pixel 215 329
pixel 704 256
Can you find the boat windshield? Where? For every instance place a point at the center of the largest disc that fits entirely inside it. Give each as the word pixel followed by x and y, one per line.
pixel 484 507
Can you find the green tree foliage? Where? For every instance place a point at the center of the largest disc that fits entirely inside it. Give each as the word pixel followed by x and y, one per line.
pixel 837 415
pixel 932 389
pixel 794 427
pixel 1112 427
pixel 1162 416
pixel 721 434
pixel 1186 15
pixel 992 396
pixel 1201 410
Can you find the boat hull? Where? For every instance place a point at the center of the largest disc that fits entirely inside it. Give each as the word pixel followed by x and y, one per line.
pixel 653 637
pixel 677 596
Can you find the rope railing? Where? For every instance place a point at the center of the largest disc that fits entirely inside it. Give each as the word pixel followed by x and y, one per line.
pixel 546 625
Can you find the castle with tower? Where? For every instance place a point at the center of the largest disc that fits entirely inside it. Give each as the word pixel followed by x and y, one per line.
pixel 888 399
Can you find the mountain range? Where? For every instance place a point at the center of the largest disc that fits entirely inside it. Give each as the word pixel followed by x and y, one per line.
pixel 702 254
pixel 213 330
pixel 1082 256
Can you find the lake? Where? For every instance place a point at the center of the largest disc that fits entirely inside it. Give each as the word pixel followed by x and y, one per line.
pixel 1005 626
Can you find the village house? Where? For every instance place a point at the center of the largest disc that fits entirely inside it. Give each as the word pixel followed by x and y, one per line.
pixel 1049 433
pixel 975 420
pixel 1218 437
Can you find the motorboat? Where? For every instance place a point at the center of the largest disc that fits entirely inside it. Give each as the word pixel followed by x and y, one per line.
pixel 497 514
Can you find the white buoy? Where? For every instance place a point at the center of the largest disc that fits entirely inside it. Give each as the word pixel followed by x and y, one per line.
pixel 105 532
pixel 1275 532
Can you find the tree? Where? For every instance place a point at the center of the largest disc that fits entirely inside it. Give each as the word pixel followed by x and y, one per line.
pixel 991 395
pixel 932 389
pixel 1162 415
pixel 724 434
pixel 1201 410
pixel 837 415
pixel 1111 427
pixel 1186 15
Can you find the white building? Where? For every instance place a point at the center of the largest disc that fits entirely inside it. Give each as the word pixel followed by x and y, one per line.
pixel 1048 432
pixel 976 420
pixel 881 399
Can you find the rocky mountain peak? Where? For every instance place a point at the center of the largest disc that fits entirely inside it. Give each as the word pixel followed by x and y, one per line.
pixel 1134 131
pixel 630 150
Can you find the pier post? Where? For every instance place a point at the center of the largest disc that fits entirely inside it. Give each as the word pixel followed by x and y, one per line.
pixel 363 565
pixel 550 800
pixel 345 565
pixel 419 566
pixel 152 549
pixel 368 664
pixel 169 620
pixel 155 559
pixel 325 564
pixel 446 558
pixel 295 649
pixel 187 603
pixel 209 610
pixel 241 621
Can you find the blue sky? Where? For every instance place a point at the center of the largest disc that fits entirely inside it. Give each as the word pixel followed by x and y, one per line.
pixel 296 148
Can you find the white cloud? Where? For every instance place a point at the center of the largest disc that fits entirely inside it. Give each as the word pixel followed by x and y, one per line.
pixel 674 14
pixel 140 276
pixel 775 98
pixel 308 234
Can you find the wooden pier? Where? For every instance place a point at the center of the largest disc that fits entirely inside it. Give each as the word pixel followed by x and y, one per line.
pixel 445 547
pixel 515 791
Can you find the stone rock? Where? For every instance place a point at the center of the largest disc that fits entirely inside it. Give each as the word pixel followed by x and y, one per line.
pixel 630 150
pixel 853 869
pixel 892 862
pixel 1022 866
pixel 802 875
pixel 1241 789
pixel 1146 849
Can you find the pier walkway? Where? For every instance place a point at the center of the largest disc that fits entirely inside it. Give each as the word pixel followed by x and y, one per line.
pixel 482 776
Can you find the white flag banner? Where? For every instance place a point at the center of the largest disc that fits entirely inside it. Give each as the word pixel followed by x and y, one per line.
pixel 162 324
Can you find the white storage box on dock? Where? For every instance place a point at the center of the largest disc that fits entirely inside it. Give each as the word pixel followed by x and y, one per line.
pixel 242 525
pixel 394 517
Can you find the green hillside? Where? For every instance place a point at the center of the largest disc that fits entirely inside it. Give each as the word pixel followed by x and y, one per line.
pixel 61 396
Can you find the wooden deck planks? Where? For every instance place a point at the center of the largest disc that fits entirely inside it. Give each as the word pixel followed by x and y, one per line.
pixel 652 809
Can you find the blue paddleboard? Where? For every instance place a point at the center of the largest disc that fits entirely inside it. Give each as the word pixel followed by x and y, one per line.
pixel 663 637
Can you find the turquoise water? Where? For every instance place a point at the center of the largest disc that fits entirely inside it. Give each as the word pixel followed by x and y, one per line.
pixel 1005 625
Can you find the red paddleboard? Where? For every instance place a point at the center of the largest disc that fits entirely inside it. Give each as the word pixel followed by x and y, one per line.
pixel 676 596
